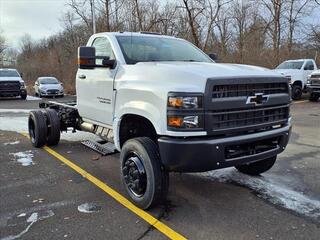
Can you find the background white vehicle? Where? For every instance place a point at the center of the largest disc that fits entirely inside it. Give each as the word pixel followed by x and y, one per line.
pixel 168 107
pixel 313 86
pixel 11 84
pixel 297 71
pixel 48 87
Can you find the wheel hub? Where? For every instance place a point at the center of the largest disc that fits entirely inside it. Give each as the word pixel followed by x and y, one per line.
pixel 135 175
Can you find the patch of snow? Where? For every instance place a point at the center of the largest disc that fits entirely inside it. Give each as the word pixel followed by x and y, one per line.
pixel 15 110
pixel 88 208
pixel 11 143
pixel 270 190
pixel 32 219
pixel 20 124
pixel 25 158
pixel 15 124
pixel 22 215
pixel 32 98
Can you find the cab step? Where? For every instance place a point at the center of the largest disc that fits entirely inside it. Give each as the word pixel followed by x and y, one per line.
pixel 102 147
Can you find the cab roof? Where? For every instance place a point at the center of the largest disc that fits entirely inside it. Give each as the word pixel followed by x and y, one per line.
pixel 148 34
pixel 299 60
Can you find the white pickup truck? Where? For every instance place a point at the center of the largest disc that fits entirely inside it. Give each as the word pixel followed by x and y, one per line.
pixel 297 71
pixel 167 107
pixel 313 86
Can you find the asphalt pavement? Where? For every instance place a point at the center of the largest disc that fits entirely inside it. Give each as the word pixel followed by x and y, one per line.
pixel 42 197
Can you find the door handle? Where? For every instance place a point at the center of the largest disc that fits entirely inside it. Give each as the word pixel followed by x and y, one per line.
pixel 82 76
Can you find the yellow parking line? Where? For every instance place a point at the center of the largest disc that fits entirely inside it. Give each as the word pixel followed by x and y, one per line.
pixel 170 233
pixel 302 101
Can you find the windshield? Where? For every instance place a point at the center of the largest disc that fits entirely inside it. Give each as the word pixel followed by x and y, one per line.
pixel 291 65
pixel 9 73
pixel 148 49
pixel 49 81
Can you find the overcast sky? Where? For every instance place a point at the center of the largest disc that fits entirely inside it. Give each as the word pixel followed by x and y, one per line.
pixel 39 18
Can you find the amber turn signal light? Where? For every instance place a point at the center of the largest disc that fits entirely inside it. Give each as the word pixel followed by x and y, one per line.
pixel 175 121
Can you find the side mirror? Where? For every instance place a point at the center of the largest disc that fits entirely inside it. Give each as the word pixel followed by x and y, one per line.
pixel 21 75
pixel 213 56
pixel 86 57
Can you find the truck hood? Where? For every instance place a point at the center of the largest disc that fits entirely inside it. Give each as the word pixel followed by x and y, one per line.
pixel 183 76
pixel 288 72
pixel 316 72
pixel 14 79
pixel 207 70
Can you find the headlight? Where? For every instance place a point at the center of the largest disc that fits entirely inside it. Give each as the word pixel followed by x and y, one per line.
pixel 185 102
pixel 308 82
pixel 289 79
pixel 22 85
pixel 185 111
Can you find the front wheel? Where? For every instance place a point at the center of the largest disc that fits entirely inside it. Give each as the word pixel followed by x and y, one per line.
pixel 23 96
pixel 257 168
pixel 296 92
pixel 144 179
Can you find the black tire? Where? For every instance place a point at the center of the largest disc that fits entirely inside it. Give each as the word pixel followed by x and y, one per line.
pixel 53 122
pixel 257 168
pixel 314 97
pixel 23 96
pixel 37 126
pixel 296 92
pixel 146 182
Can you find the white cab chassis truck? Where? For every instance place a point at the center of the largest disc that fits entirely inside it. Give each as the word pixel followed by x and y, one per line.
pixel 297 72
pixel 167 107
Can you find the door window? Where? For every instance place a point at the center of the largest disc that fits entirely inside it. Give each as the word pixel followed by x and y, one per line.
pixel 309 66
pixel 103 49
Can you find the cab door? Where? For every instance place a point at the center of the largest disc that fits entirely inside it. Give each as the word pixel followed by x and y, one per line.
pixel 95 93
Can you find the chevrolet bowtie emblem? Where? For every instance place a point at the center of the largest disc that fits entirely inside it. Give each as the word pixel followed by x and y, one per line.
pixel 257 99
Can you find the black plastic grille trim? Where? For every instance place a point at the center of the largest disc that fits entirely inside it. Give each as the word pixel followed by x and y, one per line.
pixel 241 90
pixel 248 118
pixel 9 86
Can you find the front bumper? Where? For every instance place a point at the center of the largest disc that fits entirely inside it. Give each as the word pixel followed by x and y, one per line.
pixel 49 94
pixel 204 154
pixel 313 89
pixel 13 93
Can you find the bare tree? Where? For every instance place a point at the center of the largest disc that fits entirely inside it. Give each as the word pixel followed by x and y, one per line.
pixel 241 11
pixel 274 24
pixel 3 45
pixel 296 10
pixel 201 16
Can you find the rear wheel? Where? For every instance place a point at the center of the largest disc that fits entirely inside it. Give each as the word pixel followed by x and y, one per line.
pixel 37 128
pixel 146 182
pixel 257 168
pixel 314 97
pixel 53 121
pixel 296 92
